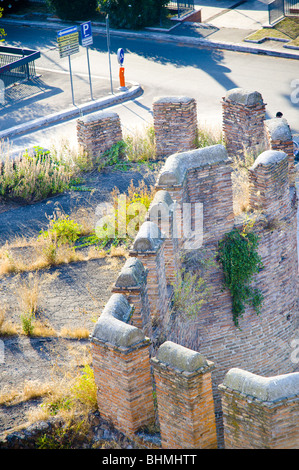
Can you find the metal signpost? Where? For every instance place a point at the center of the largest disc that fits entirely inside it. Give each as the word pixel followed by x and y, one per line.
pixel 68 44
pixel 121 58
pixel 87 40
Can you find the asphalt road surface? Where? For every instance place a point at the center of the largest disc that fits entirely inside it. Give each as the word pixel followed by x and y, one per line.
pixel 164 69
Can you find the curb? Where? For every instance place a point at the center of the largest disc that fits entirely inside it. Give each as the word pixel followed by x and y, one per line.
pixel 73 112
pixel 162 37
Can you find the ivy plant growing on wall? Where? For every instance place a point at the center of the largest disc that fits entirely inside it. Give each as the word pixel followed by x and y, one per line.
pixel 238 254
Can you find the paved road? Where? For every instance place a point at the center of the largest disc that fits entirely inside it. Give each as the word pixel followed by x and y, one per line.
pixel 161 69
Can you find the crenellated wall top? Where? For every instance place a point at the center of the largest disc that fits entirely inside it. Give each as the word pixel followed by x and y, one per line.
pixel 177 165
pixel 266 389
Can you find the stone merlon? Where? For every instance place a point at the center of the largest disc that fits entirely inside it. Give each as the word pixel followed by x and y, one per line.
pixel 181 358
pixel 111 326
pixel 178 164
pixel 269 157
pixel 263 388
pixel 244 97
pixel 279 129
pixel 132 274
pixel 149 237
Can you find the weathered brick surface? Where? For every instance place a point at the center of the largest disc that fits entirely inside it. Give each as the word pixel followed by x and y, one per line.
pixel 255 420
pixel 185 404
pixel 262 343
pixel 98 132
pixel 175 124
pixel 279 137
pixel 243 115
pixel 124 385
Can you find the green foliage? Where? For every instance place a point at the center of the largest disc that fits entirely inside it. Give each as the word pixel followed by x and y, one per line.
pixel 238 254
pixel 114 157
pixel 63 230
pixel 2 32
pixel 189 293
pixel 85 389
pixel 74 10
pixel 27 324
pixel 133 14
pixel 33 177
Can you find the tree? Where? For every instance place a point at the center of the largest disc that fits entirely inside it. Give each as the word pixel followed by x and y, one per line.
pixel 74 9
pixel 12 6
pixel 133 14
pixel 2 32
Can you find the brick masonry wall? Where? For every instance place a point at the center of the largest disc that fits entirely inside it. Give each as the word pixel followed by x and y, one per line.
pixel 152 257
pixel 123 377
pixel 243 116
pixel 175 124
pixel 185 400
pixel 279 137
pixel 262 344
pixel 97 133
pixel 261 416
pixel 120 357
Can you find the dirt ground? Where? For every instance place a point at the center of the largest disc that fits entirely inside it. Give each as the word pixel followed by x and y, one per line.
pixel 73 296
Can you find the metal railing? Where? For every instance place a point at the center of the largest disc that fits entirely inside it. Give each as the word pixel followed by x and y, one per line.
pixel 276 11
pixel 291 7
pixel 182 7
pixel 17 64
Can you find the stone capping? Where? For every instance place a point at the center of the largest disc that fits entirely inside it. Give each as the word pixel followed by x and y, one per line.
pixel 269 157
pixel 148 239
pixel 266 389
pixel 161 197
pixel 244 97
pixel 172 100
pixel 181 358
pixel 177 165
pixel 95 117
pixel 279 129
pixel 111 326
pixel 133 274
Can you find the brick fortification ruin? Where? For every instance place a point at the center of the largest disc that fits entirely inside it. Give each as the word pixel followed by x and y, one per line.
pixel 216 385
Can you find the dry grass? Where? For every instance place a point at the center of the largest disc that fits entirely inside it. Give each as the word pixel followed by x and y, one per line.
pixel 79 333
pixel 240 180
pixel 6 327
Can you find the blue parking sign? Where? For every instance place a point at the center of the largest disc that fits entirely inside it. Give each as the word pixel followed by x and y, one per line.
pixel 86 34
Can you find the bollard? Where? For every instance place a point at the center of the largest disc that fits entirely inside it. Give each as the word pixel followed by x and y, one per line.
pixel 122 77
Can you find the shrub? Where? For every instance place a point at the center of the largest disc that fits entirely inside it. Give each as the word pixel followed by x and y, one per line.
pixel 133 14
pixel 62 230
pixel 238 254
pixel 74 10
pixel 33 178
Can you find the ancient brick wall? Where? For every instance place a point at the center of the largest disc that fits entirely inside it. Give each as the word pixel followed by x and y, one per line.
pixel 184 396
pixel 97 132
pixel 279 137
pixel 260 412
pixel 175 124
pixel 120 355
pixel 243 116
pixel 203 176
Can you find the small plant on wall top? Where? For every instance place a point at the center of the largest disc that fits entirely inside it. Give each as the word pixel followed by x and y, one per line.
pixel 238 254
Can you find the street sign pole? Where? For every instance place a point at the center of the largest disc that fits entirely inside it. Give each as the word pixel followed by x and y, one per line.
pixel 108 45
pixel 87 40
pixel 90 85
pixel 70 67
pixel 68 44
